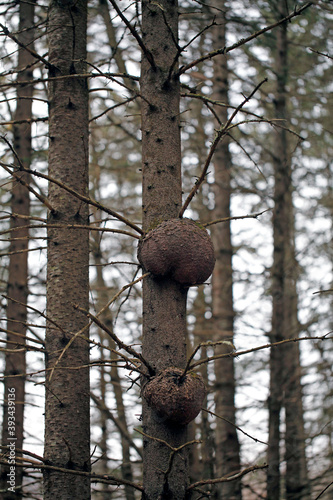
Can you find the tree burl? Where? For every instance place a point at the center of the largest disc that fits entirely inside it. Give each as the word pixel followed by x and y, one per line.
pixel 180 249
pixel 175 397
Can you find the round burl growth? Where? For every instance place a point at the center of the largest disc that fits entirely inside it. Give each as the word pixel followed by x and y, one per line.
pixel 177 399
pixel 180 249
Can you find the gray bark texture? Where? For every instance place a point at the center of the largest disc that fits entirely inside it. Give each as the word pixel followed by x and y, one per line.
pixel 67 422
pixel 15 362
pixel 165 475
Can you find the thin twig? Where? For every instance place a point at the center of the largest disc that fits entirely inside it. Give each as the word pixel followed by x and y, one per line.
pixel 19 344
pixel 103 408
pixel 14 215
pixel 36 311
pixel 68 226
pixel 243 41
pixel 111 76
pixel 162 441
pixel 15 252
pixel 184 47
pixel 23 46
pixel 234 425
pixel 136 35
pixel 260 348
pixel 226 219
pixel 220 133
pixel 114 337
pixel 40 197
pixel 120 292
pixel 227 479
pixel 25 120
pixel 204 344
pixel 83 198
pixel 325 489
pixel 32 464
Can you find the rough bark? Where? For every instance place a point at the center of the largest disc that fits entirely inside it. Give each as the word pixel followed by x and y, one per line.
pixel 67 422
pixel 226 439
pixel 15 362
pixel 164 301
pixel 285 381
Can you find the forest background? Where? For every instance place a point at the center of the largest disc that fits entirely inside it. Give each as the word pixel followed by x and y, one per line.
pixel 249 87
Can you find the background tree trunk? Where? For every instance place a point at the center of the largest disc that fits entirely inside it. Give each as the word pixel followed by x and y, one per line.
pixel 67 423
pixel 15 362
pixel 164 301
pixel 226 440
pixel 106 318
pixel 286 361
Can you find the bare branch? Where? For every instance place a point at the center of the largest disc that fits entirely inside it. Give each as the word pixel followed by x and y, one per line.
pixel 220 133
pixel 116 339
pixel 15 252
pixel 234 425
pixel 32 464
pixel 162 441
pixel 40 197
pixel 325 489
pixel 260 348
pixel 81 197
pixel 204 344
pixel 133 31
pixel 243 41
pixel 226 219
pixel 103 408
pixel 226 479
pixel 23 46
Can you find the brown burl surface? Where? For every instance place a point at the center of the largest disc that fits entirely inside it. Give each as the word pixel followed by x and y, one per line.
pixel 180 249
pixel 177 399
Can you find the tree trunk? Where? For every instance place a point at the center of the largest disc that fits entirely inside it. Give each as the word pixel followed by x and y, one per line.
pixel 116 51
pixel 164 301
pixel 67 421
pixel 15 362
pixel 226 440
pixel 285 363
pixel 106 317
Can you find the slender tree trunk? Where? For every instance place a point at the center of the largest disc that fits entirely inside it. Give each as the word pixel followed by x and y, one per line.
pixel 202 333
pixel 126 467
pixel 15 362
pixel 164 301
pixel 67 422
pixel 117 53
pixel 226 440
pixel 285 363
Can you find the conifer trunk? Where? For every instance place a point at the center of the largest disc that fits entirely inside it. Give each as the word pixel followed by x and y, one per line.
pixel 285 381
pixel 15 362
pixel 106 317
pixel 67 423
pixel 226 440
pixel 164 301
